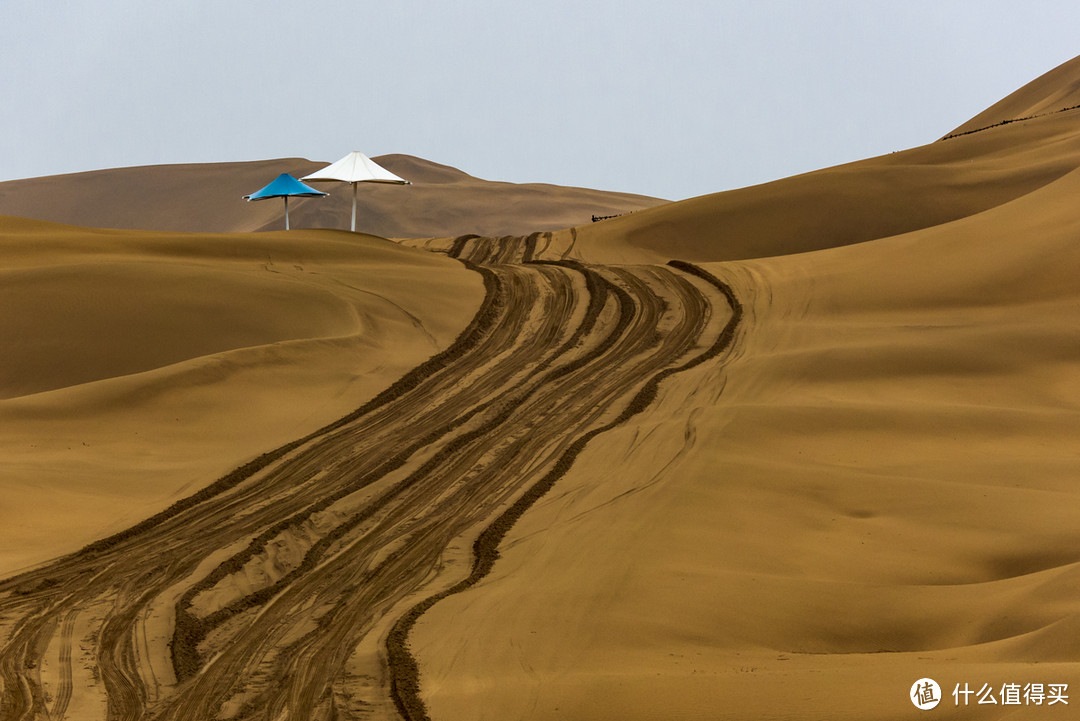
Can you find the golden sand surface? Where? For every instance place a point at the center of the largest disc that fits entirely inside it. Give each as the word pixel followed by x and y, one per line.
pixel 837 455
pixel 877 484
pixel 139 366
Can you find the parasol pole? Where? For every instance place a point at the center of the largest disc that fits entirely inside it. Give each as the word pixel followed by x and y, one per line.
pixel 354 205
pixel 286 212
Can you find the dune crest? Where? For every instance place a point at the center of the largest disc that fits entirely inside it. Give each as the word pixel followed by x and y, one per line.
pixel 1050 93
pixel 206 198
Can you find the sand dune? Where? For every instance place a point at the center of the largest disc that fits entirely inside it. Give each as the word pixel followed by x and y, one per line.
pixel 206 198
pixel 837 456
pixel 1050 93
pixel 141 366
pixel 343 530
pixel 878 484
pixel 892 194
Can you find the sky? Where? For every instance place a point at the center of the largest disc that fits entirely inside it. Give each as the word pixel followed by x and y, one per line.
pixel 673 99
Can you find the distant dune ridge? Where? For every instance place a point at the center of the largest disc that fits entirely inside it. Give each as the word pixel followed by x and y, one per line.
pixel 874 479
pixel 206 198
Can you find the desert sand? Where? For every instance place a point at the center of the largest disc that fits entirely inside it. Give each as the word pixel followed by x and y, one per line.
pixel 832 452
pixel 877 485
pixel 139 366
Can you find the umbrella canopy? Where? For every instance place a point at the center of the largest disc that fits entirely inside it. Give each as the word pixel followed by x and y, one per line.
pixel 355 168
pixel 285 186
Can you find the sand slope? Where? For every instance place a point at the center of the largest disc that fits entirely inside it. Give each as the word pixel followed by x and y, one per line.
pixel 879 482
pixel 138 366
pixel 1050 93
pixel 207 197
pixel 892 194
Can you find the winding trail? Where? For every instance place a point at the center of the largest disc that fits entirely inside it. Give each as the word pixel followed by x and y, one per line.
pixel 286 589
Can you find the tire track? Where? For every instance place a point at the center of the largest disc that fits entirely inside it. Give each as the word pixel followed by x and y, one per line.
pixel 420 490
pixel 285 567
pixel 405 680
pixel 65 685
pixel 98 571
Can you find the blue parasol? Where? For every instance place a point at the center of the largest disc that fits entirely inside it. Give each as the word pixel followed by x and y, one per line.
pixel 285 186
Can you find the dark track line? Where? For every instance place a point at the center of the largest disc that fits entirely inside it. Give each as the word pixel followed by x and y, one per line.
pixel 366 506
pixel 405 672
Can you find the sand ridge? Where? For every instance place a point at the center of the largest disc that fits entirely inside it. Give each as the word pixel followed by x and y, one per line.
pixel 1051 93
pixel 880 197
pixel 206 198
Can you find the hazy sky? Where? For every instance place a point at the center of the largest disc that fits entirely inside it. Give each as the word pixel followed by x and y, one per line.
pixel 672 99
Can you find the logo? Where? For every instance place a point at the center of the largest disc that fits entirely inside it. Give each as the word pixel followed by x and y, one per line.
pixel 925 694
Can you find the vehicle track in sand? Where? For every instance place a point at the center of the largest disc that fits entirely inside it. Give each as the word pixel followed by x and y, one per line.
pixel 274 588
pixel 64 686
